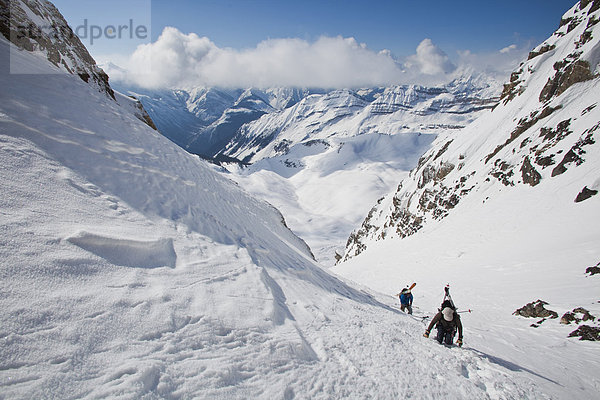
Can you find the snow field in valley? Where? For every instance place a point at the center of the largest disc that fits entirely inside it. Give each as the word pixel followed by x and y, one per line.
pixel 325 190
pixel 93 200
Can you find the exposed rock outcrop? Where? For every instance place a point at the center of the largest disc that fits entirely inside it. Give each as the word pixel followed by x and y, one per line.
pixel 529 173
pixel 567 74
pixel 585 194
pixel 536 309
pixel 577 315
pixel 55 39
pixel 593 270
pixel 586 332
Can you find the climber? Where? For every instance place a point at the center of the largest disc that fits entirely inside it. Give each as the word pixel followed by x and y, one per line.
pixel 406 299
pixel 448 322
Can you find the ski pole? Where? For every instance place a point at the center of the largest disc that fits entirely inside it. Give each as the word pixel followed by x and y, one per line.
pixel 464 311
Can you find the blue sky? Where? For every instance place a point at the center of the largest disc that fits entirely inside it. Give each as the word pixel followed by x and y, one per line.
pixel 397 25
pixel 445 30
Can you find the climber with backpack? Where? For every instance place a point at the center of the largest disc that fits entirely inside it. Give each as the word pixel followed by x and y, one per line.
pixel 447 322
pixel 406 299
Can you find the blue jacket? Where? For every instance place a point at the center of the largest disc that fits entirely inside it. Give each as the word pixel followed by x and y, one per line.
pixel 406 298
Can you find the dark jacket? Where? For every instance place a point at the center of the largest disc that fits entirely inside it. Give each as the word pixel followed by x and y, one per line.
pixel 447 325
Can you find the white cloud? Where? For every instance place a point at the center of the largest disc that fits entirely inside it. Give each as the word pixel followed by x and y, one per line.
pixel 178 60
pixel 430 59
pixel 508 49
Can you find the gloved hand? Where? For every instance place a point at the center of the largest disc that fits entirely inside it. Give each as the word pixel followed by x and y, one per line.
pixel 459 342
pixel 426 334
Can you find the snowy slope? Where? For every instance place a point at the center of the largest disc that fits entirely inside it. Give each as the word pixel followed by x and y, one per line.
pixel 506 211
pixel 131 270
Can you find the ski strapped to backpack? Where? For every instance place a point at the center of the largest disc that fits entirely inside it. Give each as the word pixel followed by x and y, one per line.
pixel 448 297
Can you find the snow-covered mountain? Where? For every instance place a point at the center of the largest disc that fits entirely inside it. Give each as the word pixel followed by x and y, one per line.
pixel 130 269
pixel 531 139
pixel 310 158
pixel 349 113
pixel 313 148
pixel 506 211
pixel 251 124
pixel 204 120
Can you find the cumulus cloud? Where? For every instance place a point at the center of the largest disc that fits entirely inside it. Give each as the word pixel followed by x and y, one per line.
pixel 178 60
pixel 430 59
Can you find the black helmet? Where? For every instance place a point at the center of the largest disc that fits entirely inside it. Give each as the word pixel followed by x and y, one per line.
pixel 447 303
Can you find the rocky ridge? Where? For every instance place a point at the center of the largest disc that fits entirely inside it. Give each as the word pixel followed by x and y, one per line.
pixel 545 125
pixel 51 35
pixel 39 27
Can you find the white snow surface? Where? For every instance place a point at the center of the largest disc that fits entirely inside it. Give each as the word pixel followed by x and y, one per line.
pixel 131 270
pixel 325 188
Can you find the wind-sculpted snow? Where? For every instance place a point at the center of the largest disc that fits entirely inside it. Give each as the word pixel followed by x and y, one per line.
pixel 128 252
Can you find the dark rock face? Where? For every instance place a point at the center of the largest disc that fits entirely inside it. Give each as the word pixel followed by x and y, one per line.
pixel 567 74
pixel 576 152
pixel 536 309
pixel 503 171
pixel 529 173
pixel 512 89
pixel 585 194
pixel 143 116
pixel 523 125
pixel 595 5
pixel 544 49
pixel 593 270
pixel 62 47
pixel 585 332
pixel 577 315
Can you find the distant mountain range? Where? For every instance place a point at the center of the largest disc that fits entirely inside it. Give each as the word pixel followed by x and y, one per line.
pixel 251 124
